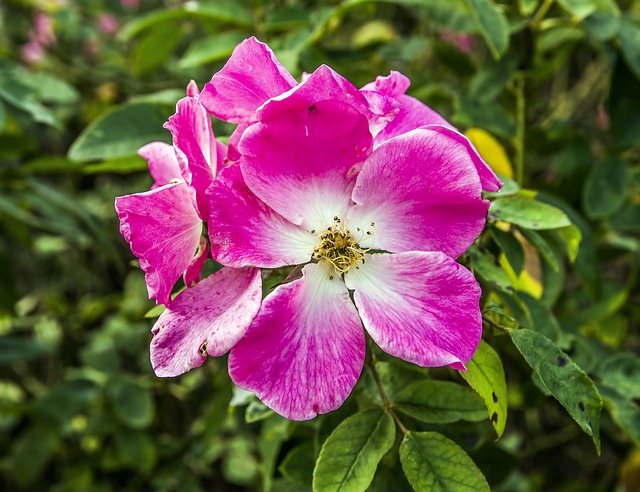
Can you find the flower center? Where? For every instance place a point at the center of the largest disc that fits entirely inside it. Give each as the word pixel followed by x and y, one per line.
pixel 337 246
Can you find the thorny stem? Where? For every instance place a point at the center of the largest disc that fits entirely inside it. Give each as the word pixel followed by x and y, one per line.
pixel 385 401
pixel 489 321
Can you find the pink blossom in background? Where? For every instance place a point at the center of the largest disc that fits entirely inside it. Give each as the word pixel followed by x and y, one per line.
pixel 32 52
pixel 464 42
pixel 42 32
pixel 107 23
pixel 130 4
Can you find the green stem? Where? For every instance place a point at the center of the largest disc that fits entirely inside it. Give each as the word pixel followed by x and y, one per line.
pixel 383 396
pixel 519 143
pixel 542 11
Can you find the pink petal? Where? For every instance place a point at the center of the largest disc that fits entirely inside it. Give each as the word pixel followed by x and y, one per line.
pixel 163 231
pixel 422 192
pixel 421 307
pixel 488 179
pixel 250 77
pixel 213 315
pixel 413 114
pixel 192 273
pixel 195 148
pixel 304 352
pixel 162 161
pixel 394 85
pixel 327 84
pixel 244 231
pixel 303 162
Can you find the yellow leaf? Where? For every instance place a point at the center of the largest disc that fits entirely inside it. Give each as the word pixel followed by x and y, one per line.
pixel 491 151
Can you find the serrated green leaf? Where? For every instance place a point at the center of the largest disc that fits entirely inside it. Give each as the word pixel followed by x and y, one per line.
pixel 511 248
pixel 297 465
pixel 132 403
pixel 530 214
pixel 545 249
pixel 486 265
pixel 120 133
pixel 492 24
pixel 350 455
pixel 629 37
pixel 439 402
pixel 485 375
pixel 625 412
pixel 211 49
pixel 434 463
pixel 622 372
pixel 569 384
pixel 605 189
pixel 18 349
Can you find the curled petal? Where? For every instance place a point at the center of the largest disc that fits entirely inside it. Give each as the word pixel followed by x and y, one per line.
pixel 250 77
pixel 422 192
pixel 303 163
pixel 304 351
pixel 327 84
pixel 208 318
pixel 192 273
pixel 244 231
pixel 163 231
pixel 394 85
pixel 421 307
pixel 195 148
pixel 162 161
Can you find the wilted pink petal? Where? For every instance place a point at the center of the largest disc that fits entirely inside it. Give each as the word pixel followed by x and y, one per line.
pixel 163 231
pixel 304 351
pixel 303 163
pixel 42 32
pixel 258 235
pixel 422 192
pixel 250 77
pixel 163 165
pixel 327 84
pixel 419 306
pixel 208 318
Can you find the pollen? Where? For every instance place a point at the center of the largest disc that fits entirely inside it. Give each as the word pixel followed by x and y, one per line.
pixel 337 246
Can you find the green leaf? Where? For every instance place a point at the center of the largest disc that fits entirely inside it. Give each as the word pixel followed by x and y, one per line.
pixel 492 24
pixel 350 455
pixel 605 189
pixel 132 403
pixel 545 249
pixel 531 214
pixel 625 412
pixel 119 165
pixel 486 265
pixel 565 380
pixel 256 410
pixel 297 465
pixel 19 95
pixel 571 238
pixel 622 372
pixel 440 402
pixel 492 78
pixel 433 463
pixel 629 37
pixel 211 49
pixel 31 452
pixel 543 319
pixel 49 88
pixel 583 8
pixel 155 47
pixel 136 449
pixel 120 132
pixel 18 349
pixel 485 375
pixel 511 248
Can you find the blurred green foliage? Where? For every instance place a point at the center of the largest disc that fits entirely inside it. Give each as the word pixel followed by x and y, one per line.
pixel 555 84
